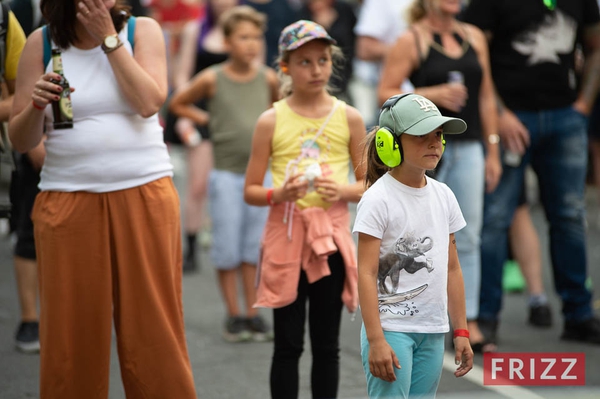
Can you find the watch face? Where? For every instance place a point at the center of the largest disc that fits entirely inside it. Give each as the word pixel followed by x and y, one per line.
pixel 111 41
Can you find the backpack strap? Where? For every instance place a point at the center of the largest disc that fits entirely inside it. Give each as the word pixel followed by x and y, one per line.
pixel 131 31
pixel 47 46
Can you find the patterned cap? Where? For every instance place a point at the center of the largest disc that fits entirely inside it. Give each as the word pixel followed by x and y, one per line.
pixel 301 32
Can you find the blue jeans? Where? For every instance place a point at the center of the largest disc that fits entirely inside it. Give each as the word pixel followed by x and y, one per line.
pixel 463 170
pixel 558 155
pixel 421 358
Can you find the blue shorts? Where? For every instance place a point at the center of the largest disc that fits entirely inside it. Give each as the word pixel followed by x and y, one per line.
pixel 236 226
pixel 421 357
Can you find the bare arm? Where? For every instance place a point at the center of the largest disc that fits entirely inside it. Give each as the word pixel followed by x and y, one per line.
pixel 143 77
pixel 26 122
pixel 370 49
pixel 382 358
pixel 183 101
pixel 487 110
pixel 591 72
pixel 254 192
pixel 8 90
pixel 398 64
pixel 457 311
pixel 183 69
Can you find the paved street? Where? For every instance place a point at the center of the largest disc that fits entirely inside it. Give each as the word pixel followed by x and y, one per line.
pixel 226 371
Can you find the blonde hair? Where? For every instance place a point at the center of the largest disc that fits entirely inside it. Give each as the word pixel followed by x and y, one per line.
pixel 231 18
pixel 416 11
pixel 285 81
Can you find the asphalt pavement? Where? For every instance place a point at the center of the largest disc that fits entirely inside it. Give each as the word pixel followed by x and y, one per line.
pixel 226 371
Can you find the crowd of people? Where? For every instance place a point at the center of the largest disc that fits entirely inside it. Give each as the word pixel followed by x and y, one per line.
pixel 428 114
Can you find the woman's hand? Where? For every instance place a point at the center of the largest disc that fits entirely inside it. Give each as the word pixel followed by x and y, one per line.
pixel 95 16
pixel 329 190
pixel 382 360
pixel 452 96
pixel 463 356
pixel 46 91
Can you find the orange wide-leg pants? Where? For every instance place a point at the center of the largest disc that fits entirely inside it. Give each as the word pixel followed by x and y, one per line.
pixel 104 257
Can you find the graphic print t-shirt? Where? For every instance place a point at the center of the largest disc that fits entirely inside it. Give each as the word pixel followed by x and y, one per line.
pixel 414 225
pixel 532 48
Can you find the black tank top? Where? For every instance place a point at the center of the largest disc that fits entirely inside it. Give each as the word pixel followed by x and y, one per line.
pixel 435 69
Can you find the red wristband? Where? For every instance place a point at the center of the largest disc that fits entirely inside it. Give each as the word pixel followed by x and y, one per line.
pixel 37 106
pixel 270 197
pixel 461 332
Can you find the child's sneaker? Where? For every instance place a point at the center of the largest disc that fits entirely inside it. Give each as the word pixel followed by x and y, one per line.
pixel 236 330
pixel 260 330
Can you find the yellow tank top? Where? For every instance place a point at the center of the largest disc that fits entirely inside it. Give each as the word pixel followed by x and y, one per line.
pixel 293 141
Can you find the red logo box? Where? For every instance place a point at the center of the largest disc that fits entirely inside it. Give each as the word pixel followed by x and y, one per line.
pixel 549 369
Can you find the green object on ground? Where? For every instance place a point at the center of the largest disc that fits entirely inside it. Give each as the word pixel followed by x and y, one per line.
pixel 512 279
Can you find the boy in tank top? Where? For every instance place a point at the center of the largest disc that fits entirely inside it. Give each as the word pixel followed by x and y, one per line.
pixel 237 92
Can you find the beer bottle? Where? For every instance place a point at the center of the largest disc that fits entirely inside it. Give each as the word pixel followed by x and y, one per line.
pixel 61 109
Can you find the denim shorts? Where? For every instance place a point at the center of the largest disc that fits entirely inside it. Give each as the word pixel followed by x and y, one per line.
pixel 236 226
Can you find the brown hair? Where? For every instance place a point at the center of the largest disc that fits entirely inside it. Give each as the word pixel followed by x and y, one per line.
pixel 285 81
pixel 231 18
pixel 375 167
pixel 61 16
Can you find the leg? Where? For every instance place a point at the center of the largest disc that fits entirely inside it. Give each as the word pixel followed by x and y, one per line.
pixel 71 235
pixel 288 326
pixel 428 359
pixel 325 315
pixel 525 247
pixel 498 211
pixel 24 190
pixel 226 214
pixel 463 171
pixel 403 346
pixel 254 220
pixel 27 287
pixel 561 169
pixel 199 159
pixel 148 309
pixel 595 149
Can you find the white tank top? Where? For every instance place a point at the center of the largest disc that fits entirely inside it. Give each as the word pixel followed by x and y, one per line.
pixel 110 147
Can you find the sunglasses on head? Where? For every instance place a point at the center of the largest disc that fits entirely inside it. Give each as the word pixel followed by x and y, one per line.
pixel 550 4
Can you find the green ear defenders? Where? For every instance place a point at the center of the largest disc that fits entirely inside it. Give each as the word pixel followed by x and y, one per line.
pixel 387 142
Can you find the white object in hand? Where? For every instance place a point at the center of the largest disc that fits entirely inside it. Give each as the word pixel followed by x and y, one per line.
pixel 313 170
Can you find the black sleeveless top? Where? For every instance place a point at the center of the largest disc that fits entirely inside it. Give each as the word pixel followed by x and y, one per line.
pixel 435 69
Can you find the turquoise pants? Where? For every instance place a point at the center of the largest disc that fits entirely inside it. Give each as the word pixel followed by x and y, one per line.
pixel 421 358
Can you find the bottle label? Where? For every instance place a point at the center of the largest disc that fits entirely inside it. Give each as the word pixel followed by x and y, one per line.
pixel 65 105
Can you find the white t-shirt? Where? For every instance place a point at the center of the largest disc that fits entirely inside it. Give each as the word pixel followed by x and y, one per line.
pixel 384 20
pixel 414 225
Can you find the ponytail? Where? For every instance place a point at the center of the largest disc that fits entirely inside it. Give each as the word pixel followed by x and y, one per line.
pixel 375 168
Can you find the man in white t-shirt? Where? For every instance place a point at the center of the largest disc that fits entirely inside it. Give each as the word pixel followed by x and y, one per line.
pixel 380 23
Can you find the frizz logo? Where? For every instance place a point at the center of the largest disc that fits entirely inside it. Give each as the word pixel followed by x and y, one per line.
pixel 534 369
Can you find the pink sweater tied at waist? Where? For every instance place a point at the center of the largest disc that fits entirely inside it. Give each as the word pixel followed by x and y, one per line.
pixel 316 233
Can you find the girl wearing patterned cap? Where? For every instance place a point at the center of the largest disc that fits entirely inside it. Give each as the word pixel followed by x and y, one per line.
pixel 308 140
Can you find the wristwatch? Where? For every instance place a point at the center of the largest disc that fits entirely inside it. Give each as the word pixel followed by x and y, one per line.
pixel 111 43
pixel 493 139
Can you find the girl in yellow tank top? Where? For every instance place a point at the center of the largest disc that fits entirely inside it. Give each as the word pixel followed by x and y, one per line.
pixel 309 139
